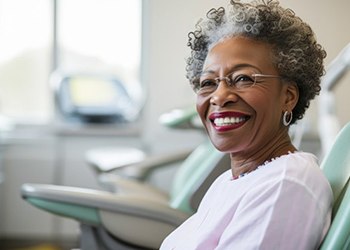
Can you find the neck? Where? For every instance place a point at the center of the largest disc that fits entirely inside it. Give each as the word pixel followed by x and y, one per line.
pixel 245 164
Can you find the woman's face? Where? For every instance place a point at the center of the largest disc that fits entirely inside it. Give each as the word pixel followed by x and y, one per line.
pixel 246 120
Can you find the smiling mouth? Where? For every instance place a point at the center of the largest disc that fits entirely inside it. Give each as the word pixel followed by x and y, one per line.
pixel 228 120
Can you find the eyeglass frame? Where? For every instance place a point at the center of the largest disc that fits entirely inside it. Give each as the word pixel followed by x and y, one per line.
pixel 230 82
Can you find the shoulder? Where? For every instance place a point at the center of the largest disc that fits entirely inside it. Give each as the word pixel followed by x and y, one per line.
pixel 288 177
pixel 293 182
pixel 294 175
pixel 300 168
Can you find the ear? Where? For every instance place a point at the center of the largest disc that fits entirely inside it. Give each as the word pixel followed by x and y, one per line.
pixel 291 91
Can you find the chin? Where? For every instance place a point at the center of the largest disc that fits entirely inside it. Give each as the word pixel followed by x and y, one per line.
pixel 222 147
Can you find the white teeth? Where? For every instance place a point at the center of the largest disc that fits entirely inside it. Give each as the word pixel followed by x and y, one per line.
pixel 228 121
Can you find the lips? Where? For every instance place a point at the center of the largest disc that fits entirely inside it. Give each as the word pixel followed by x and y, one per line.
pixel 224 121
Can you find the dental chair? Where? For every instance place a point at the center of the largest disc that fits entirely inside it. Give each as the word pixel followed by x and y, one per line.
pixel 137 220
pixel 134 215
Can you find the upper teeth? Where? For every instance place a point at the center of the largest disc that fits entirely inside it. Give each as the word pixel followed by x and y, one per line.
pixel 227 120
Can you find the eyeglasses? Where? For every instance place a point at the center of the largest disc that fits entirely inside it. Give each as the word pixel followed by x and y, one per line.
pixel 241 80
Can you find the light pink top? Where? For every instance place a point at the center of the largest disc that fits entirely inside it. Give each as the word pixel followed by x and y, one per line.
pixel 284 204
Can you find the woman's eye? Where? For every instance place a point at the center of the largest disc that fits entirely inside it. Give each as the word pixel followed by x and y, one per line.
pixel 243 78
pixel 207 83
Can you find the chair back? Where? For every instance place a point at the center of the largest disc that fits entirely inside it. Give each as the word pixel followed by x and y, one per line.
pixel 336 164
pixel 339 231
pixel 336 167
pixel 195 176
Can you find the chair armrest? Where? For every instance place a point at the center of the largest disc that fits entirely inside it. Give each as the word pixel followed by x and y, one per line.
pixel 134 219
pixel 130 204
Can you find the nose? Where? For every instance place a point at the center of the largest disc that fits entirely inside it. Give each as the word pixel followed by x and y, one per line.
pixel 223 94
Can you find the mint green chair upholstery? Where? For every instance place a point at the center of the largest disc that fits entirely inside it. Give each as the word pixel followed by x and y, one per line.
pixel 336 166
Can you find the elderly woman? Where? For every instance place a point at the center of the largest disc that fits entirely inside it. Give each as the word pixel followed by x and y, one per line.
pixel 255 67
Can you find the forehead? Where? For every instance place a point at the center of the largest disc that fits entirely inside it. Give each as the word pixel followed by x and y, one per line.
pixel 230 52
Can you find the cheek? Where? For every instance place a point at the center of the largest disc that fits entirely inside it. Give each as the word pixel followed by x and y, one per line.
pixel 202 105
pixel 267 106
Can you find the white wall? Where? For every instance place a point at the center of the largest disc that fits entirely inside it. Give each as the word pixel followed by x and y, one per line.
pixel 166 39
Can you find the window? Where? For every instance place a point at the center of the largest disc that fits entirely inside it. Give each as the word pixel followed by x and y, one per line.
pixel 92 36
pixel 25 36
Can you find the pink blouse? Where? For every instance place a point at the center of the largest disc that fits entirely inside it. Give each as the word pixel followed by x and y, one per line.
pixel 284 204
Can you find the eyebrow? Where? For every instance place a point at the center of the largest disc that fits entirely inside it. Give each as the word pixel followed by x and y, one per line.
pixel 236 67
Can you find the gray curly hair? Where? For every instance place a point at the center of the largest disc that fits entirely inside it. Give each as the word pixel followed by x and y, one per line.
pixel 297 55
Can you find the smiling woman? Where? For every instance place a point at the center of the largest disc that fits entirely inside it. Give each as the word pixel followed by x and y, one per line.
pixel 248 69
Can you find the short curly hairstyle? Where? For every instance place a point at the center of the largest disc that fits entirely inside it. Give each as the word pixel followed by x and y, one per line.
pixel 297 55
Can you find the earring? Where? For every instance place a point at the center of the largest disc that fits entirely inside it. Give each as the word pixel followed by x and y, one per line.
pixel 285 117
